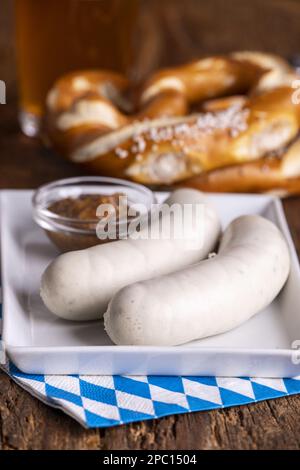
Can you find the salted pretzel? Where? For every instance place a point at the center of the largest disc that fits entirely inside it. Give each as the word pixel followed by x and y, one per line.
pixel 183 122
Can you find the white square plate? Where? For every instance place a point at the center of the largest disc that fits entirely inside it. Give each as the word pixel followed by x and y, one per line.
pixel 38 342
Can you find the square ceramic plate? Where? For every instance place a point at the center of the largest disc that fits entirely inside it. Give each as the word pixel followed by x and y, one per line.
pixel 38 342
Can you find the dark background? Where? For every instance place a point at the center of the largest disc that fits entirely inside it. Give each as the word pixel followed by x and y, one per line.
pixel 170 31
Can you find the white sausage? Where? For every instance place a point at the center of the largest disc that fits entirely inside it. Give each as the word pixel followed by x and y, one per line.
pixel 78 285
pixel 208 298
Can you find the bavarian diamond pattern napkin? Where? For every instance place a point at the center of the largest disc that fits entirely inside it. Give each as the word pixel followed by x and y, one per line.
pixel 101 401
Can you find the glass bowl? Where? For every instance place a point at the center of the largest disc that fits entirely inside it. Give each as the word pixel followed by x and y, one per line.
pixel 73 233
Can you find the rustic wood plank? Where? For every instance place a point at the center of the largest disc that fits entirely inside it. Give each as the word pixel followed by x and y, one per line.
pixel 26 423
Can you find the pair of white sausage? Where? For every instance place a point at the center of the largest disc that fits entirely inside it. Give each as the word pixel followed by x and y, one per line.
pixel 208 298
pixel 78 285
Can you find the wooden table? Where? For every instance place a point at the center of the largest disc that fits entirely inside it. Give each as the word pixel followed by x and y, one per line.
pixel 26 423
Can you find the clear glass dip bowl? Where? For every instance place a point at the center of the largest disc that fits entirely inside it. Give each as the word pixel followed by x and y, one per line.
pixel 72 233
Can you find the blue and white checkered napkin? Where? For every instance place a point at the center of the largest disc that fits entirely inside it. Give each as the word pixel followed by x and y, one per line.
pixel 101 401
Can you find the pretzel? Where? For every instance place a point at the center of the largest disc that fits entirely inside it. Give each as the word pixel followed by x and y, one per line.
pixel 173 127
